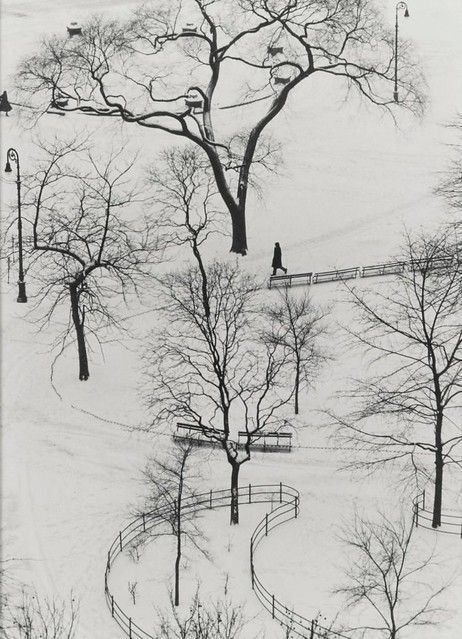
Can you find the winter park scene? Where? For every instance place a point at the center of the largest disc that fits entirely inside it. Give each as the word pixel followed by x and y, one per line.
pixel 231 319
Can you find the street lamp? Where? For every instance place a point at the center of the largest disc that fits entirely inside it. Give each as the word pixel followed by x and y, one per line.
pixel 399 7
pixel 12 156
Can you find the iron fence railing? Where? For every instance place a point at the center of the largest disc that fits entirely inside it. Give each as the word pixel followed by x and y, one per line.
pixel 450 524
pixel 288 507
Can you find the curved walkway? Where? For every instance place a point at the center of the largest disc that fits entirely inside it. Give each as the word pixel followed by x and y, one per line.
pixel 288 508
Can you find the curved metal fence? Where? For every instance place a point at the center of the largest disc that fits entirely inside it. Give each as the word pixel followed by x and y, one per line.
pixel 288 500
pixel 450 524
pixel 295 623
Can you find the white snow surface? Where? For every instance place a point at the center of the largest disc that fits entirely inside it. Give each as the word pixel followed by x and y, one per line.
pixel 71 466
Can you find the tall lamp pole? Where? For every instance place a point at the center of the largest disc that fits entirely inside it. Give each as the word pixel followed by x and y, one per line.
pixel 12 156
pixel 399 7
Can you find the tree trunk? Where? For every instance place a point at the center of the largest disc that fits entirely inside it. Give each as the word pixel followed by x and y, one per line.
pixel 438 496
pixel 177 568
pixel 297 387
pixel 439 463
pixel 84 373
pixel 234 519
pixel 239 242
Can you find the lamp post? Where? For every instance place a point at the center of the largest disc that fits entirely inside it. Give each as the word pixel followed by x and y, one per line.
pixel 399 7
pixel 12 156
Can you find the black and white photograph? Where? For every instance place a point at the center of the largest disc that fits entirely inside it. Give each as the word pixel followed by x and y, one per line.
pixel 231 319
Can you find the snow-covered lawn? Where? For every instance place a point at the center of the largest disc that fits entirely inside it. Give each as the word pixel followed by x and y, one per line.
pixel 71 466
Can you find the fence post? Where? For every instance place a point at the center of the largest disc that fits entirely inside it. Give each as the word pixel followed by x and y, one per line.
pixel 250 493
pixel 266 524
pixel 272 606
pixel 144 522
pixel 120 541
pixel 210 499
pixel 8 271
pixel 296 506
pixel 461 530
pixel 280 492
pixel 112 605
pixel 423 500
pixel 130 628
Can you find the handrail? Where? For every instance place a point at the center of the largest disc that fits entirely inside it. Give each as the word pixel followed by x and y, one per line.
pixel 288 509
pixel 423 518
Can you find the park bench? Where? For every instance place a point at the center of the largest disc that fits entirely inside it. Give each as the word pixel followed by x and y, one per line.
pixel 192 433
pixel 431 264
pixel 267 442
pixel 334 276
pixel 74 29
pixel 288 280
pixel 383 269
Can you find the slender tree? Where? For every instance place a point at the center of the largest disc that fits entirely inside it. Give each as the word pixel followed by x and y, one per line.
pixel 184 67
pixel 173 497
pixel 387 584
pixel 296 325
pixel 414 330
pixel 88 246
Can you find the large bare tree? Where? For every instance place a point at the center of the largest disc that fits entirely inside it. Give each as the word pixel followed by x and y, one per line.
pixel 209 366
pixel 90 247
pixel 189 68
pixel 413 329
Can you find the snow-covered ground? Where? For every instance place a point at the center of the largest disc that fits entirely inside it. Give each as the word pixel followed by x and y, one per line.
pixel 70 466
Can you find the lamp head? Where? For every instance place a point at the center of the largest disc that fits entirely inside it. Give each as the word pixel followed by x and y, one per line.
pixel 7 167
pixel 406 13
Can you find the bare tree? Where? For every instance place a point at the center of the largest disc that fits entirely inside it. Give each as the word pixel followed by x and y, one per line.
pixel 88 246
pixel 220 619
pixel 185 200
pixel 414 331
pixel 168 68
pixel 450 187
pixel 296 326
pixel 132 588
pixel 211 368
pixel 173 498
pixel 385 579
pixel 34 617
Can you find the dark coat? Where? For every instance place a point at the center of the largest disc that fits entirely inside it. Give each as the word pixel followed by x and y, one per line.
pixel 5 106
pixel 277 258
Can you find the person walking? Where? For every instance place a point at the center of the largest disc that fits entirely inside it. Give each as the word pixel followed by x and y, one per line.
pixel 277 259
pixel 5 105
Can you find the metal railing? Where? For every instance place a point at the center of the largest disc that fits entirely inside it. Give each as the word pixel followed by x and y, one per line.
pixel 288 500
pixel 287 510
pixel 450 524
pixel 373 270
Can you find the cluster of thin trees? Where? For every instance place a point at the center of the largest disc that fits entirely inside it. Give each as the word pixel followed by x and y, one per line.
pixel 229 358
